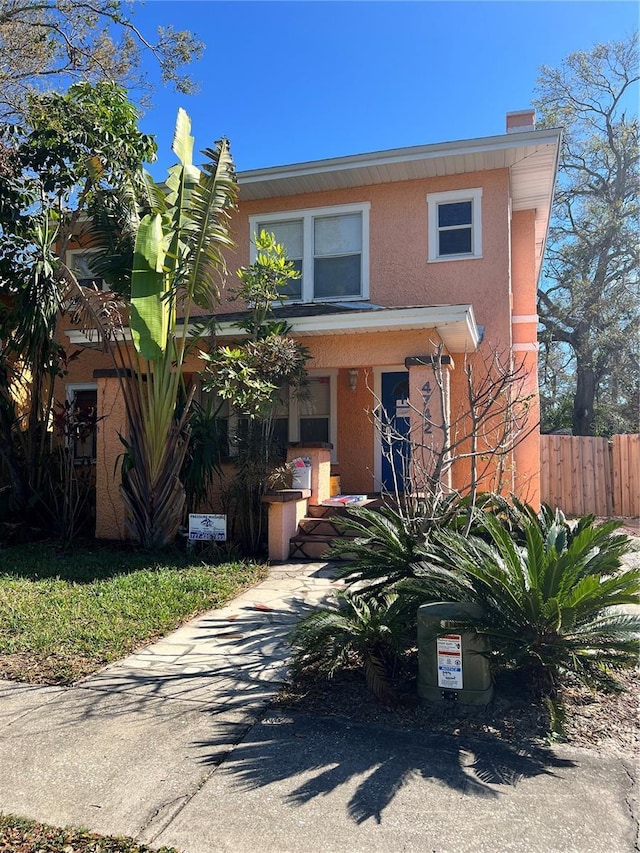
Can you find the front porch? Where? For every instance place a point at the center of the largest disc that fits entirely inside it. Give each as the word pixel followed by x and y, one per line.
pixel 383 394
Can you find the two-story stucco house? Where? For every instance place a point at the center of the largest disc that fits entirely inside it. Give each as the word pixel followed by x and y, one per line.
pixel 402 253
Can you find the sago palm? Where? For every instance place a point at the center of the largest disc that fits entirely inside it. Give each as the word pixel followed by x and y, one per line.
pixel 367 632
pixel 554 604
pixel 385 549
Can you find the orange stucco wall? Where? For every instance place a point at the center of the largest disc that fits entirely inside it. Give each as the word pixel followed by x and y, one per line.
pixel 525 336
pixel 500 286
pixel 399 272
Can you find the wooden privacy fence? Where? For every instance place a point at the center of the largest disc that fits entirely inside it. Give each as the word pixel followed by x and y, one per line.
pixel 581 475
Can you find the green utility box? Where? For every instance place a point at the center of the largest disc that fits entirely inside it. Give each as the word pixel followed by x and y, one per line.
pixel 451 663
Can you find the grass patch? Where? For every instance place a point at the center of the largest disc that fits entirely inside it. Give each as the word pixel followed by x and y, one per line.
pixel 19 835
pixel 64 614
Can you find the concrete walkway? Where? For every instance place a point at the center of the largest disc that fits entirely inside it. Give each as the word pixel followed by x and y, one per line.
pixel 176 745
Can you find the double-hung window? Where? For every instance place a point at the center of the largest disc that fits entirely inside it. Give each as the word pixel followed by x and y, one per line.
pixel 328 246
pixel 314 410
pixel 305 416
pixel 455 225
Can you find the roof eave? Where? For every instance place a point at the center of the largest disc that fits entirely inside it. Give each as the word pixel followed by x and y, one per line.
pixel 399 155
pixel 455 325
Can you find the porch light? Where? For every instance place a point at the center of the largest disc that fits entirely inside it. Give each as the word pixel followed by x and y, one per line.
pixel 353 378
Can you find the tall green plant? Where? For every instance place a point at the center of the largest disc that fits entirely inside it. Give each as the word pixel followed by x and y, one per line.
pixel 178 263
pixel 178 258
pixel 249 374
pixel 72 150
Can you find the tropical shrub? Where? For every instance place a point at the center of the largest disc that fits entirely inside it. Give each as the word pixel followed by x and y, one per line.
pixel 383 551
pixel 551 604
pixel 206 448
pixel 71 151
pixel 251 374
pixel 552 592
pixel 366 633
pixel 178 262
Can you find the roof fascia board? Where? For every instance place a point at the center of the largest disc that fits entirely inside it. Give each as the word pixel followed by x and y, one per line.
pixel 552 195
pixel 391 319
pixel 403 155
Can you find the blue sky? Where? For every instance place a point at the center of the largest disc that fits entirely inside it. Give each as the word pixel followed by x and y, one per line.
pixel 293 81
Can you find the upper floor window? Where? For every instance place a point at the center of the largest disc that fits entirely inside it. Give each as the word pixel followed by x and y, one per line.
pixel 329 247
pixel 455 225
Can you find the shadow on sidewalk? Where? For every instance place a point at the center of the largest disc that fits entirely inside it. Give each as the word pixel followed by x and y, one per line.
pixel 316 755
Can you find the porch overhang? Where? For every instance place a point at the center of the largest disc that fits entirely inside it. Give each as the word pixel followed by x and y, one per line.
pixel 455 324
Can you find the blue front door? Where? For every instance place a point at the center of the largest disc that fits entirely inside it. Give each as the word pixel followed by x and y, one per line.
pixel 394 422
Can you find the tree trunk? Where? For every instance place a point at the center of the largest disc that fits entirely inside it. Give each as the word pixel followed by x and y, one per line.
pixel 584 399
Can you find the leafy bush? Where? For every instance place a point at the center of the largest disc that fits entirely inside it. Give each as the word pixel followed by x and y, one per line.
pixel 387 548
pixel 552 604
pixel 552 593
pixel 366 633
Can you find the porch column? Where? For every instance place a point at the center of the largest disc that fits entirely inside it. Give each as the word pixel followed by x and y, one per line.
pixel 286 509
pixel 112 422
pixel 429 418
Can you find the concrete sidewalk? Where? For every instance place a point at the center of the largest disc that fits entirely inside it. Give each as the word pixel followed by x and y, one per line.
pixel 176 745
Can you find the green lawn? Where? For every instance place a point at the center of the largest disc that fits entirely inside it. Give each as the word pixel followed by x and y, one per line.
pixel 27 836
pixel 64 614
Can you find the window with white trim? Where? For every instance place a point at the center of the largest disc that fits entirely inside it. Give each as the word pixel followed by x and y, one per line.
pixel 314 411
pixel 455 225
pixel 329 247
pixel 79 262
pixel 308 416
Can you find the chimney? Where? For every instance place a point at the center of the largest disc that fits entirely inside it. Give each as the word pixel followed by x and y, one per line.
pixel 521 120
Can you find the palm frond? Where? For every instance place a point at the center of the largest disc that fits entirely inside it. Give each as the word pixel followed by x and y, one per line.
pixel 361 630
pixel 550 605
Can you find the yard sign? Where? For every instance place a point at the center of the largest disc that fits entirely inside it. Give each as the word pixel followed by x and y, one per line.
pixel 205 526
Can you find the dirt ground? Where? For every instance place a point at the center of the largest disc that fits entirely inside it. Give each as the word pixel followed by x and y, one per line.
pixel 593 720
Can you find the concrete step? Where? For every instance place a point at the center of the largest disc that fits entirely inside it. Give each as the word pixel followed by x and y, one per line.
pixel 322 527
pixel 310 547
pixel 321 511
